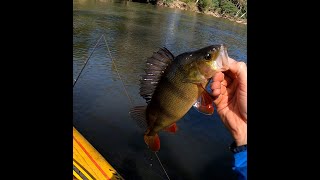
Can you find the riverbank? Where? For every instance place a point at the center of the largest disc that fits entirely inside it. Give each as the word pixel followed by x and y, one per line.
pixel 193 7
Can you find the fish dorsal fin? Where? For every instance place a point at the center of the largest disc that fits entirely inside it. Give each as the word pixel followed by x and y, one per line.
pixel 156 66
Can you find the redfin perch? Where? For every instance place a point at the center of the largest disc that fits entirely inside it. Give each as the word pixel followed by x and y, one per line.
pixel 172 85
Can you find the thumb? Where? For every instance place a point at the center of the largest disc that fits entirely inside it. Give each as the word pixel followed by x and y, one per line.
pixel 239 70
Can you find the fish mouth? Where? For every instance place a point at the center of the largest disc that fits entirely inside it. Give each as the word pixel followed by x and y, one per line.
pixel 222 62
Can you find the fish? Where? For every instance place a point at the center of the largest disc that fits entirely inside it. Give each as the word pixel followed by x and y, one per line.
pixel 172 85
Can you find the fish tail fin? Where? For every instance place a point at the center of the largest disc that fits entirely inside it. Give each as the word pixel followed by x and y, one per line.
pixel 138 114
pixel 153 142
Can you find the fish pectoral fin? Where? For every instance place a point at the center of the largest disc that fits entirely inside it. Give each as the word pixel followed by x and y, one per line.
pixel 138 114
pixel 204 103
pixel 173 128
pixel 153 142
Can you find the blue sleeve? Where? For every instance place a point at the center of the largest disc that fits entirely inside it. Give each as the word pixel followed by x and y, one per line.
pixel 240 164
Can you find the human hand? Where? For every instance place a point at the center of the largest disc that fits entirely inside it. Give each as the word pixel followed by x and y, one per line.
pixel 229 90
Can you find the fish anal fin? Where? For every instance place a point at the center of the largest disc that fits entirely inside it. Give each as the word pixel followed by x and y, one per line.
pixel 204 103
pixel 153 142
pixel 138 114
pixel 173 128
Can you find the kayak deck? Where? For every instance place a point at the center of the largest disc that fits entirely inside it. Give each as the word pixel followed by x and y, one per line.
pixel 88 163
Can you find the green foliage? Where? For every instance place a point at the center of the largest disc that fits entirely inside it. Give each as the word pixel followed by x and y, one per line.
pixel 218 10
pixel 215 3
pixel 244 10
pixel 205 5
pixel 188 1
pixel 167 1
pixel 228 7
pixel 231 8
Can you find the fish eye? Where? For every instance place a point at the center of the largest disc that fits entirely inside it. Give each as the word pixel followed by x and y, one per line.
pixel 208 56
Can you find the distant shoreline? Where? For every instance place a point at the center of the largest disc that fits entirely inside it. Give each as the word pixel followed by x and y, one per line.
pixel 177 4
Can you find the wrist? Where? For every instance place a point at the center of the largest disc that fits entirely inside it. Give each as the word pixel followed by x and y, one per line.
pixel 240 134
pixel 241 141
pixel 234 148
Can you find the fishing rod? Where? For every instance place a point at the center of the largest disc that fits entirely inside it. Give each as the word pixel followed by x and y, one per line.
pixel 76 80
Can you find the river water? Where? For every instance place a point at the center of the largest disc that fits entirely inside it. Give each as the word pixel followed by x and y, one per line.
pixel 133 31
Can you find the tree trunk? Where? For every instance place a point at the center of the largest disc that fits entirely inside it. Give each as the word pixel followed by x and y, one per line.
pixel 243 14
pixel 237 13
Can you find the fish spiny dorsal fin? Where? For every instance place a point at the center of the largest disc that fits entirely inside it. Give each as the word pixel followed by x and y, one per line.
pixel 156 66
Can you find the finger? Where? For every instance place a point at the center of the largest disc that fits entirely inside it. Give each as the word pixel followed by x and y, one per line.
pixel 216 92
pixel 231 60
pixel 216 85
pixel 230 75
pixel 227 81
pixel 218 77
pixel 239 69
pixel 224 83
pixel 232 88
pixel 217 99
pixel 223 90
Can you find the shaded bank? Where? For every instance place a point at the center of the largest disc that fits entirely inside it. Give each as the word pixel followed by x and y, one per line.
pixel 234 10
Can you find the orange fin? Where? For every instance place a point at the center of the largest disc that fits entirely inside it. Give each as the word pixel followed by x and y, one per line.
pixel 153 142
pixel 172 128
pixel 204 103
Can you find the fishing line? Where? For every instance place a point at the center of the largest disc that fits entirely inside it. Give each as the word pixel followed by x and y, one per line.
pixel 86 62
pixel 129 96
pixel 161 165
pixel 117 70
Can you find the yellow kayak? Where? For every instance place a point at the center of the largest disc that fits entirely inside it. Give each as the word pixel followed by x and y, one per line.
pixel 88 163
